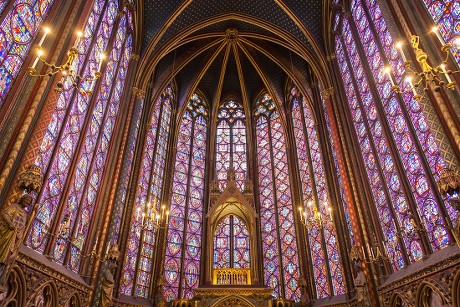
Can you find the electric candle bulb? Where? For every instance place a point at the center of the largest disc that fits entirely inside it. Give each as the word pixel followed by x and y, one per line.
pixel 101 58
pixel 443 69
pixel 39 54
pixel 77 41
pixel 387 70
pixel 435 30
pixel 46 30
pixel 409 80
pixel 399 45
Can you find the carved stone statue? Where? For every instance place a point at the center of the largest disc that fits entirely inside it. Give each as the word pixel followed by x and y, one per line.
pixel 161 301
pixel 362 293
pixel 107 285
pixel 304 297
pixel 13 221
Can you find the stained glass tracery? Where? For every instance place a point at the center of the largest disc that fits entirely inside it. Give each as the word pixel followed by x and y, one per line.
pixel 280 254
pixel 327 267
pixel 147 200
pixel 17 32
pixel 183 247
pixel 231 244
pixel 231 143
pixel 375 108
pixel 446 14
pixel 78 121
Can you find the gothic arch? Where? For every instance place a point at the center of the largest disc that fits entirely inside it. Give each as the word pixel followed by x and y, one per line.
pixel 233 300
pixel 456 290
pixel 428 295
pixel 15 292
pixel 74 301
pixel 45 296
pixel 232 201
pixel 398 301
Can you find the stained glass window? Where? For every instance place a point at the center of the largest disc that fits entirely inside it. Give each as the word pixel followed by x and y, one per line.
pixel 183 250
pixel 17 32
pixel 375 108
pixel 77 120
pixel 327 267
pixel 231 143
pixel 231 244
pixel 446 14
pixel 280 254
pixel 140 249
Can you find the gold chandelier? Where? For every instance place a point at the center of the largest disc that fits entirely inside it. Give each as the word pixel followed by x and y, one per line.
pixel 439 76
pixel 66 68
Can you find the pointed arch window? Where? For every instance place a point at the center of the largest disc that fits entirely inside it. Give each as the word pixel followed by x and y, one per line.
pixel 74 149
pixel 138 263
pixel 183 247
pixel 17 32
pixel 398 149
pixel 446 14
pixel 280 253
pixel 322 237
pixel 231 244
pixel 231 143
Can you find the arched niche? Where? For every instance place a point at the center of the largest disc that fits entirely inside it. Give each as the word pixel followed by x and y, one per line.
pixel 45 296
pixel 14 294
pixel 429 296
pixel 74 301
pixel 456 290
pixel 398 301
pixel 238 206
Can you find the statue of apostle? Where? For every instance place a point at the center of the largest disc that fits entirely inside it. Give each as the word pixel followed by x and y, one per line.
pixel 13 221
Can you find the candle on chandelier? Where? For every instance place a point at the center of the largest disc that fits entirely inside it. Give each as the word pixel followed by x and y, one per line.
pixel 412 87
pixel 443 70
pixel 387 70
pixel 101 58
pixel 435 30
pixel 77 41
pixel 39 54
pixel 399 45
pixel 46 30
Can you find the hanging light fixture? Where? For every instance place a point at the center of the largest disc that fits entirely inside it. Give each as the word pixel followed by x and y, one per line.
pixel 439 76
pixel 66 68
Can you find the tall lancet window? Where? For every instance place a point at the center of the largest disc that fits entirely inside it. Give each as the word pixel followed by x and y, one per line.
pixel 17 32
pixel 183 250
pixel 280 254
pixel 75 146
pixel 137 268
pixel 398 148
pixel 446 14
pixel 231 244
pixel 322 237
pixel 231 143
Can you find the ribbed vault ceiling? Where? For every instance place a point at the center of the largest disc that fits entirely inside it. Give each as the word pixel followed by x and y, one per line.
pixel 230 47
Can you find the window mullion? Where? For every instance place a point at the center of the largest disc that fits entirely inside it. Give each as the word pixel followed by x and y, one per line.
pixel 375 154
pixel 275 203
pixel 413 131
pixel 187 197
pixel 60 209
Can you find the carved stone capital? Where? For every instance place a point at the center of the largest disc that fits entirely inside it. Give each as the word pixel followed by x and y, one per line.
pixel 139 93
pixel 327 93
